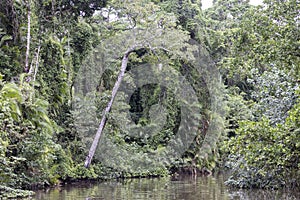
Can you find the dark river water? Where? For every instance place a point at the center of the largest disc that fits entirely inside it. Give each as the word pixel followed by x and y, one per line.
pixel 182 188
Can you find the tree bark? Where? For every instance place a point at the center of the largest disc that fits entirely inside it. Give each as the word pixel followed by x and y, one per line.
pixel 36 63
pixel 28 37
pixel 107 110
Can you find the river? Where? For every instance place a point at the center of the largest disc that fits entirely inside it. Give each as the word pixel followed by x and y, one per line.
pixel 180 188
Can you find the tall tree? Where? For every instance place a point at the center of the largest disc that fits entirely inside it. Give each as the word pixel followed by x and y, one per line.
pixel 155 34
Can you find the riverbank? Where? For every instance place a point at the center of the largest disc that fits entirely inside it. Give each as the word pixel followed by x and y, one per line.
pixel 11 193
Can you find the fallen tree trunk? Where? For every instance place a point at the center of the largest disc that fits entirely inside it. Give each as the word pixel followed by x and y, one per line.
pixel 107 110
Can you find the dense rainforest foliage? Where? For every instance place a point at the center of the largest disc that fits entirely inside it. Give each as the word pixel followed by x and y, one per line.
pixel 59 61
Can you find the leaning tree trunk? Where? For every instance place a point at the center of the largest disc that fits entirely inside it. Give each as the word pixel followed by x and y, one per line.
pixel 106 111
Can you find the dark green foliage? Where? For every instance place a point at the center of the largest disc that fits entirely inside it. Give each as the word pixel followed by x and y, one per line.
pixel 43 141
pixel 61 15
pixel 38 142
pixel 142 104
pixel 267 157
pixel 188 14
pixel 11 15
pixel 10 57
pixel 52 79
pixel 10 193
pixel 82 40
pixel 7 69
pixel 274 94
pixel 255 53
pixel 71 10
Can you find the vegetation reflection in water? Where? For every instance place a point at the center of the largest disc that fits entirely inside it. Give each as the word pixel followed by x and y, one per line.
pixel 179 188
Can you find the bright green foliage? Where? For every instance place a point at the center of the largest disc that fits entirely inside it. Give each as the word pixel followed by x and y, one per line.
pixel 28 151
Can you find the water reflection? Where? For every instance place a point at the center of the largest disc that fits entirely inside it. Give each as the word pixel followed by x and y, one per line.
pixel 180 188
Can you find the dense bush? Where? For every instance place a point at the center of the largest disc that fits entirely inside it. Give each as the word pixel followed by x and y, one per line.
pixel 264 155
pixel 29 153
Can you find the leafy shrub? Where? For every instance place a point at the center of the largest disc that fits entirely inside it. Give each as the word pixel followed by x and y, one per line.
pixel 263 155
pixel 28 151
